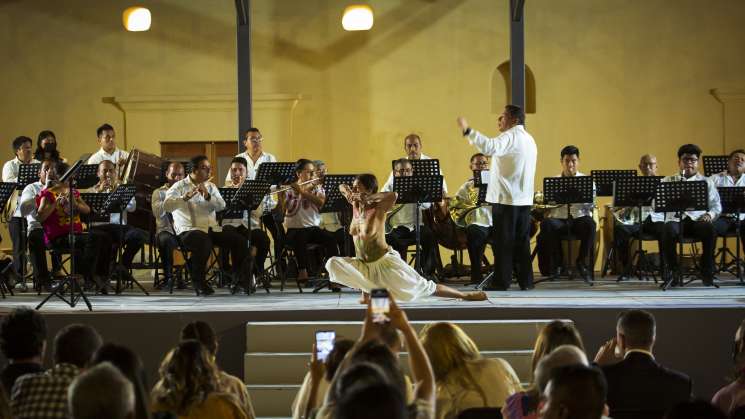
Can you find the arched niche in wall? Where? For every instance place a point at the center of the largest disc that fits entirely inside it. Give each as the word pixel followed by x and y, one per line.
pixel 501 88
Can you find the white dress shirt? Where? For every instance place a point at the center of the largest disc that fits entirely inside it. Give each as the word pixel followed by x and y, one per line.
pixel 197 213
pixel 715 207
pixel 578 210
pixel 480 216
pixel 102 155
pixel 724 180
pixel 389 181
pixel 251 167
pixel 513 161
pixel 406 216
pixel 10 175
pixel 27 205
pixel 159 212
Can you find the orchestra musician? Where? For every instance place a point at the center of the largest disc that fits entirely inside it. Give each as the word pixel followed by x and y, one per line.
pixel 477 220
pixel 165 237
pixel 510 190
pixel 733 176
pixel 698 224
pixel 300 204
pixel 555 224
pixel 194 202
pixel 250 225
pixel 46 147
pixel 627 221
pixel 253 143
pixel 108 151
pixel 22 150
pixel 413 148
pixel 331 221
pixel 53 212
pixel 400 230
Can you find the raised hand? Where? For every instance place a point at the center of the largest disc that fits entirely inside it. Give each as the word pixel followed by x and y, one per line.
pixel 462 123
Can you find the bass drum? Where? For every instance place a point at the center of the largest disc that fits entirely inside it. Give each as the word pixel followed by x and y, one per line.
pixel 143 170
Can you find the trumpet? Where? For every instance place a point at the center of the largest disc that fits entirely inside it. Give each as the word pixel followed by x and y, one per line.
pixel 287 188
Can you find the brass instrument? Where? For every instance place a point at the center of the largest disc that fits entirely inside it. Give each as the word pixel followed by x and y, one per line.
pixel 460 208
pixel 394 210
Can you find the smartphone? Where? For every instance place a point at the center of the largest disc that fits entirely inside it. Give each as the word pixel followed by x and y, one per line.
pixel 324 343
pixel 380 305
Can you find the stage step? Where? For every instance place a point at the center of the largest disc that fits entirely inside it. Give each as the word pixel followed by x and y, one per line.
pixel 277 353
pixel 277 368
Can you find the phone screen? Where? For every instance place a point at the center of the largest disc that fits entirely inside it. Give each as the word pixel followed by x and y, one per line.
pixel 324 343
pixel 380 305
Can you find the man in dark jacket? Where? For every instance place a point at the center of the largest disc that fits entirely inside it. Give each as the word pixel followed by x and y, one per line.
pixel 23 337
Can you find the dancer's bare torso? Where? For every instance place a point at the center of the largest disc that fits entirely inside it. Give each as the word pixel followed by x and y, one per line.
pixel 368 228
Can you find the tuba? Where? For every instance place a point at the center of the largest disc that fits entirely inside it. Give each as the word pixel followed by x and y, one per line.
pixel 460 208
pixel 394 210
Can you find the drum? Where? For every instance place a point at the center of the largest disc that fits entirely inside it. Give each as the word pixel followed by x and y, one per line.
pixel 143 170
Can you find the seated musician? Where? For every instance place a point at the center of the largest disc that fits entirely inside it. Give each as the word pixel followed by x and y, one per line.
pixel 119 233
pixel 400 231
pixel 302 219
pixel 194 202
pixel 53 212
pixel 109 151
pixel 36 247
pixel 555 224
pixel 331 221
pixel 733 176
pixel 22 151
pixel 165 235
pixel 249 226
pixel 254 155
pixel 627 220
pixel 413 149
pixel 46 147
pixel 477 220
pixel 697 224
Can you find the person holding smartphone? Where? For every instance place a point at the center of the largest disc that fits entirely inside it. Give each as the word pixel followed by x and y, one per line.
pixel 377 265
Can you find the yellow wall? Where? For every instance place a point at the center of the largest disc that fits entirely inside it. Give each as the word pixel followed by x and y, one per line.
pixel 618 78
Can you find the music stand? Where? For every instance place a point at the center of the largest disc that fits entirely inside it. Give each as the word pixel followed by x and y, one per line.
pixel 418 190
pixel 336 202
pixel 604 180
pixel 87 176
pixel 426 167
pixel 715 164
pixel 679 197
pixel 6 191
pixel 276 173
pixel 568 190
pixel 733 203
pixel 28 174
pixel 71 280
pixel 637 192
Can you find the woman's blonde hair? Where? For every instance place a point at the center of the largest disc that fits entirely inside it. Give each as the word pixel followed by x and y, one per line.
pixel 552 336
pixel 187 377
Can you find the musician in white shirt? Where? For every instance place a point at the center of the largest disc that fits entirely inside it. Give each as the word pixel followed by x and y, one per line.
pixel 22 147
pixel 555 224
pixel 400 222
pixel 302 218
pixel 165 236
pixel 733 176
pixel 108 151
pixel 413 148
pixel 36 247
pixel 255 155
pixel 510 190
pixel 698 224
pixel 194 202
pixel 249 225
pixel 627 221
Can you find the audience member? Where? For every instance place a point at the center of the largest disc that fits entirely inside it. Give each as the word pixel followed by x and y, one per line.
pixel 130 365
pixel 331 364
pixel 732 396
pixel 524 405
pixel 5 412
pixel 44 395
pixel 574 392
pixel 637 384
pixel 101 392
pixel 369 396
pixel 203 332
pixel 189 383
pixel 23 339
pixel 695 409
pixel 464 378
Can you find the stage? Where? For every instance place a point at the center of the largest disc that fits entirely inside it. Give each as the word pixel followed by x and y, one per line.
pixel 696 324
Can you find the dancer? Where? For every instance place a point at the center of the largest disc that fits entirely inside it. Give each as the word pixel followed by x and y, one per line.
pixel 377 265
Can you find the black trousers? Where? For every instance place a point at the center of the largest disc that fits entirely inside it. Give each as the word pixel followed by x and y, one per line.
pixel 166 242
pixel 132 238
pixel 300 238
pixel 16 225
pixel 273 222
pixel 344 242
pixel 258 239
pixel 623 233
pixel 200 245
pixel 725 225
pixel 401 238
pixel 512 238
pixel 87 244
pixel 477 237
pixel 701 230
pixel 552 229
pixel 38 254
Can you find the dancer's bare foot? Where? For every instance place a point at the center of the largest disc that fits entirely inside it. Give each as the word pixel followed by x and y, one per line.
pixel 364 298
pixel 475 296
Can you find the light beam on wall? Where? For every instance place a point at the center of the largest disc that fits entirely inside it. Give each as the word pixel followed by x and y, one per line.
pixel 136 19
pixel 357 17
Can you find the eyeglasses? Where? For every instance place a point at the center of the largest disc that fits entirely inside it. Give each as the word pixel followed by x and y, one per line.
pixel 255 139
pixel 690 159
